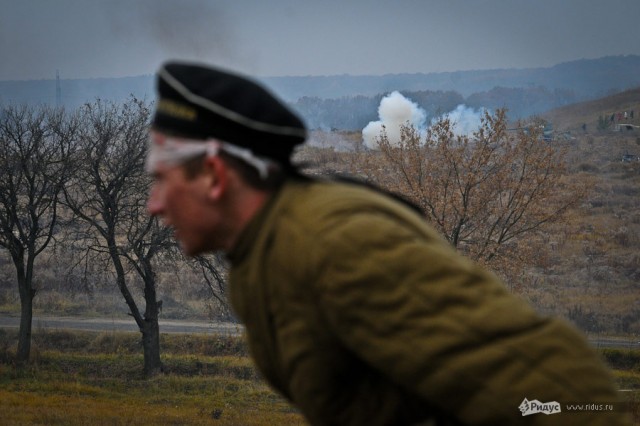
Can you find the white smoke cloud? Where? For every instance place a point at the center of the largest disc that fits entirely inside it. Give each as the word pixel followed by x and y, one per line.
pixel 394 111
pixel 465 120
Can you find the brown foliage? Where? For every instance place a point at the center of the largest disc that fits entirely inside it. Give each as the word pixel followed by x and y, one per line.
pixel 487 193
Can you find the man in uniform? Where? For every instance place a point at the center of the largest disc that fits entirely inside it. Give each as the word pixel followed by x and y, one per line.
pixel 355 309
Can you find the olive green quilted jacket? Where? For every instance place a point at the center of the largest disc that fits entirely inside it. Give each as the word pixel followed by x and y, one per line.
pixel 360 314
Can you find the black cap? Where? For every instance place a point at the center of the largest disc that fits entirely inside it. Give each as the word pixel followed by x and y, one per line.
pixel 202 102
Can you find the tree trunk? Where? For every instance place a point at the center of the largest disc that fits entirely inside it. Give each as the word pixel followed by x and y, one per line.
pixel 151 329
pixel 26 315
pixel 24 335
pixel 148 325
pixel 151 347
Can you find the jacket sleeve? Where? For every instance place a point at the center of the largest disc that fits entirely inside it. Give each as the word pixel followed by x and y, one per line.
pixel 442 328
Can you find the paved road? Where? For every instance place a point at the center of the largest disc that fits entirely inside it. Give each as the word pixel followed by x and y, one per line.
pixel 179 326
pixel 619 343
pixel 112 324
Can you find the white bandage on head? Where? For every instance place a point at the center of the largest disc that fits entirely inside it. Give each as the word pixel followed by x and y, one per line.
pixel 172 151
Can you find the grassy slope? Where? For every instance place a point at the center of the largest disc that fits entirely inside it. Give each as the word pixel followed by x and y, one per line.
pixel 572 117
pixel 594 271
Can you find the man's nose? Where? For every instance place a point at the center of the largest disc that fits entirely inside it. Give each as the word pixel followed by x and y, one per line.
pixel 154 203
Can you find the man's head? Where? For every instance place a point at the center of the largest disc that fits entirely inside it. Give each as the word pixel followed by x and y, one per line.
pixel 219 143
pixel 202 103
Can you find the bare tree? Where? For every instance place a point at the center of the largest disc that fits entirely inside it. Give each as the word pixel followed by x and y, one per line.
pixel 109 194
pixel 35 150
pixel 484 193
pixel 214 273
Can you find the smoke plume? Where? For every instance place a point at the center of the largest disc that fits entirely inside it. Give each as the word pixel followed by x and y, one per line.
pixel 395 110
pixel 465 120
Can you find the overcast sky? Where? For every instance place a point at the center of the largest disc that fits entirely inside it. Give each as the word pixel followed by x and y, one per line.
pixel 114 38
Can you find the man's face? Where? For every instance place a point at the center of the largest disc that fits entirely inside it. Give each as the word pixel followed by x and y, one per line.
pixel 183 204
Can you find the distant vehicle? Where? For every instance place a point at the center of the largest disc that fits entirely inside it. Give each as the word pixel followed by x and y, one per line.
pixel 624 126
pixel 547 130
pixel 630 158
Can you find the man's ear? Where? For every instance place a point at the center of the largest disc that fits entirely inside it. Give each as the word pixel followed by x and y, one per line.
pixel 217 171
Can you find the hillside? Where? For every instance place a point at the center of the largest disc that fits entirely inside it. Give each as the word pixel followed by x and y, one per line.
pixel 572 117
pixel 586 78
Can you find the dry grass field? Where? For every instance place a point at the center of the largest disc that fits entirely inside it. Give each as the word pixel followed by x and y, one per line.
pixel 91 378
pixel 593 270
pixel 83 378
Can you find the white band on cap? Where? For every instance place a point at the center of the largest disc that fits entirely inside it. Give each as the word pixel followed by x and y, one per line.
pixel 175 151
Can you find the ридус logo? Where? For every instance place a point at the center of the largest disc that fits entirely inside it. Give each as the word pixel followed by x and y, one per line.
pixel 534 407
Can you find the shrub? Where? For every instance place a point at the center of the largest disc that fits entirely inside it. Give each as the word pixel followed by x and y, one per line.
pixel 622 359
